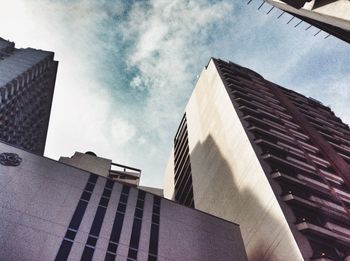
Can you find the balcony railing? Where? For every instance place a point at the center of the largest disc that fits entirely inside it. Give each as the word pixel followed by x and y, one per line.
pixel 309 228
pixel 125 174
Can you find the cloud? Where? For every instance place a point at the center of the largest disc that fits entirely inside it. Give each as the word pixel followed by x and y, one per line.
pixel 136 82
pixel 82 116
pixel 121 131
pixel 127 68
pixel 168 49
pixel 169 42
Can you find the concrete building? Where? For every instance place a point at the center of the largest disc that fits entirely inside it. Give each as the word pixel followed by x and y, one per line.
pixel 89 161
pixel 332 16
pixel 27 80
pixel 52 211
pixel 267 158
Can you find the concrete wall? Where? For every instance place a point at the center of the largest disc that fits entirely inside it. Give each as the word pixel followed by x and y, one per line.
pixel 93 164
pixel 169 186
pixel 228 180
pixel 38 199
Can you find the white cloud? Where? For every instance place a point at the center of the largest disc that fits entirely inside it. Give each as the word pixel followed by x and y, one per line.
pixel 136 82
pixel 121 131
pixel 170 40
pixel 82 116
pixel 168 43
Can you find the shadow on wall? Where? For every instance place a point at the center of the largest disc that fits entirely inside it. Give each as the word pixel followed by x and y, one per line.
pixel 216 192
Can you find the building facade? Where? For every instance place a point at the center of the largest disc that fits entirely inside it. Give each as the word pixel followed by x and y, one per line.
pixel 331 16
pixel 267 158
pixel 52 211
pixel 27 80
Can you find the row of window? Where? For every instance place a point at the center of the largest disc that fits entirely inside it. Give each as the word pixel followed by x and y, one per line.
pixel 117 225
pixel 75 222
pixel 97 222
pixel 153 245
pixel 136 226
pixel 116 230
pixel 182 167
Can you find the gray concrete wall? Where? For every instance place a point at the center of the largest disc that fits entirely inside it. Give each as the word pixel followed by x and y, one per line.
pixel 228 180
pixel 38 199
pixel 93 164
pixel 169 185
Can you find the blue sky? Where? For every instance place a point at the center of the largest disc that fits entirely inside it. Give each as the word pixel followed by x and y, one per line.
pixel 128 68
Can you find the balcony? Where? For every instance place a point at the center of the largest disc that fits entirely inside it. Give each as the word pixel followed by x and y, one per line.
pixel 304 107
pixel 311 183
pixel 327 234
pixel 288 163
pixel 125 174
pixel 255 91
pixel 334 120
pixel 252 103
pixel 328 209
pixel 264 123
pixel 270 135
pixel 275 148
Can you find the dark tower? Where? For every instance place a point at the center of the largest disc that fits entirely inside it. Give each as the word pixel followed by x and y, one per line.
pixel 27 81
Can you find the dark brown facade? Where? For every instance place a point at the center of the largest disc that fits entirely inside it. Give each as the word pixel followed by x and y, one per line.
pixel 304 149
pixel 27 80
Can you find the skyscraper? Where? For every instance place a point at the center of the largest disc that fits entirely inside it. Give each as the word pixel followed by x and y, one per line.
pixel 332 16
pixel 267 158
pixel 27 80
pixel 52 211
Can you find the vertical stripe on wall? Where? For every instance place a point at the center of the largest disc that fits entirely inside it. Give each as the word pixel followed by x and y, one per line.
pixel 117 225
pixel 75 222
pixel 154 235
pixel 136 227
pixel 97 222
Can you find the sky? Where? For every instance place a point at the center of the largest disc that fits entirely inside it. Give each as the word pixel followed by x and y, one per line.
pixel 127 68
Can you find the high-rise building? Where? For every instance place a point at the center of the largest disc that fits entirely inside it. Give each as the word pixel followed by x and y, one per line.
pixel 27 80
pixel 267 158
pixel 331 16
pixel 52 211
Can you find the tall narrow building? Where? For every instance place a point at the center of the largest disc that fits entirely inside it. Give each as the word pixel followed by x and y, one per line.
pixel 27 81
pixel 267 158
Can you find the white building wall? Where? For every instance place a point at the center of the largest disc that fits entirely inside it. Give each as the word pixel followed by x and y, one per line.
pixel 228 180
pixel 97 165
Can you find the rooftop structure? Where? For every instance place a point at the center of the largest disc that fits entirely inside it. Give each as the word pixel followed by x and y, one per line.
pixel 89 161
